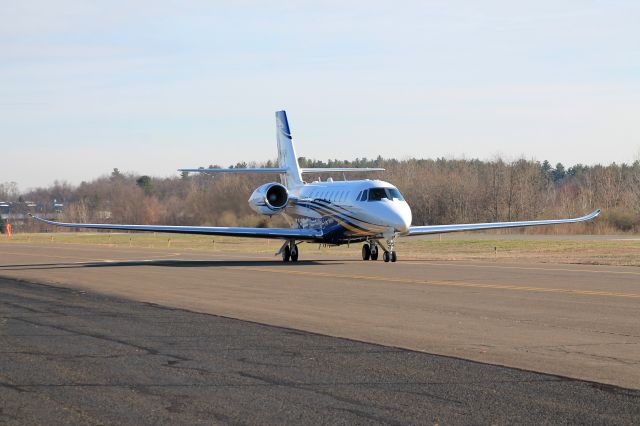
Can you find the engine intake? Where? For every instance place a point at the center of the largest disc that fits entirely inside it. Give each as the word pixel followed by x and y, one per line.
pixel 269 199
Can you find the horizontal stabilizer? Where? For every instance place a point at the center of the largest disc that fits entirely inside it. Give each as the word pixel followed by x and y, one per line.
pixel 284 170
pixel 341 169
pixel 237 170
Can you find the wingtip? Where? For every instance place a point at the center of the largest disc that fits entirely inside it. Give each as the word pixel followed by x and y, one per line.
pixel 592 215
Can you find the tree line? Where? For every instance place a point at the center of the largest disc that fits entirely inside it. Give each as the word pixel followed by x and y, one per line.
pixel 439 191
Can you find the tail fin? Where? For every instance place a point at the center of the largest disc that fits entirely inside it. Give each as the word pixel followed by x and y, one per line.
pixel 287 158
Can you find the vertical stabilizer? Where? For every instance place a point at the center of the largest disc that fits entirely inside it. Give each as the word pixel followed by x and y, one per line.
pixel 286 152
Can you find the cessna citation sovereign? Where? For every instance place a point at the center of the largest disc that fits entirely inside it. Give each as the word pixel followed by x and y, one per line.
pixel 326 212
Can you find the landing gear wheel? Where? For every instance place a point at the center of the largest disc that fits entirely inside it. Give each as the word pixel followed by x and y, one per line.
pixel 286 254
pixel 374 252
pixel 294 253
pixel 366 252
pixel 390 254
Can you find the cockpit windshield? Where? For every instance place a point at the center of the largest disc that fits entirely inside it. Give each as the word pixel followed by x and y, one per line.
pixel 378 194
pixel 394 194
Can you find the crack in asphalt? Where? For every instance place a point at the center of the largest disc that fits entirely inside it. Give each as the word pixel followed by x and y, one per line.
pixel 99 336
pixel 213 369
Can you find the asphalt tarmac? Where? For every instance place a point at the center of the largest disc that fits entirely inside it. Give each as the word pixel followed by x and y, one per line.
pixel 579 321
pixel 74 356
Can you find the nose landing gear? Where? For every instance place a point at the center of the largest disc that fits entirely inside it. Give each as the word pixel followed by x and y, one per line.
pixel 390 254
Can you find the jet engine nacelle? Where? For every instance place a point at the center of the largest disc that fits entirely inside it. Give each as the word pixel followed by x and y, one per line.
pixel 269 199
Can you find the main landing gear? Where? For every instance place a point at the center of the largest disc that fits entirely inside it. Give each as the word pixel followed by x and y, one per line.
pixel 370 251
pixel 289 251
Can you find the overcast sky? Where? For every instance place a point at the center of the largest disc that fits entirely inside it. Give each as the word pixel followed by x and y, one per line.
pixel 151 86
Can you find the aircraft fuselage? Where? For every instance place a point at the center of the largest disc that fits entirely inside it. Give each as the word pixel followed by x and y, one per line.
pixel 350 211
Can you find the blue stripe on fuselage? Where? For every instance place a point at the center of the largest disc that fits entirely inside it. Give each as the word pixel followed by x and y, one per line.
pixel 326 209
pixel 338 218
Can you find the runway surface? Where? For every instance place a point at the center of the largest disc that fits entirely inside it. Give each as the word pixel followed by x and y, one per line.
pixel 577 321
pixel 70 356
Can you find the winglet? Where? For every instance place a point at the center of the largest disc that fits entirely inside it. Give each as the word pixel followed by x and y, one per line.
pixel 592 215
pixel 39 219
pixel 48 222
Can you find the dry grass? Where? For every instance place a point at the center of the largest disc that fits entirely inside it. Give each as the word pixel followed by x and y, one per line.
pixel 534 249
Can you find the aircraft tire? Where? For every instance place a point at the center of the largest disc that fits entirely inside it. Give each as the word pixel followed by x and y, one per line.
pixel 374 254
pixel 386 256
pixel 294 254
pixel 286 254
pixel 366 252
pixel 393 256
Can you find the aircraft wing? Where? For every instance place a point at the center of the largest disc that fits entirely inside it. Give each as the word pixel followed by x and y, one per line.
pixel 276 233
pixel 440 229
pixel 341 169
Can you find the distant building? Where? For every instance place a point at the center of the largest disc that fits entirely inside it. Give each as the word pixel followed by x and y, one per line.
pixel 17 212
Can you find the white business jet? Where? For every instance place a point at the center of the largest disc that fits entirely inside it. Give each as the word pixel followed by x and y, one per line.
pixel 326 212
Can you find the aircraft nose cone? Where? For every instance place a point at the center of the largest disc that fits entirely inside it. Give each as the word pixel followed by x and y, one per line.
pixel 401 219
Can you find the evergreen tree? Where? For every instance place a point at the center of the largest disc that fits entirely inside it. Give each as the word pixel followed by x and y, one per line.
pixel 145 183
pixel 559 173
pixel 546 168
